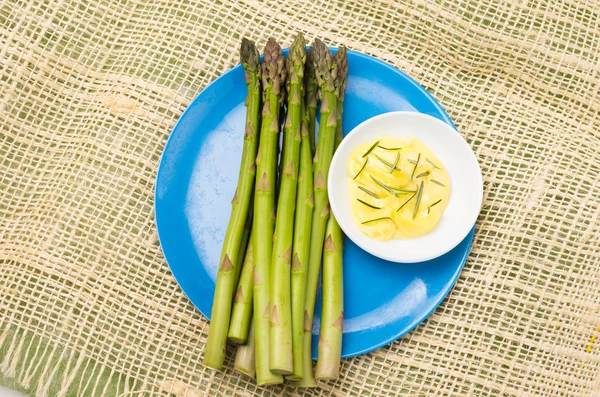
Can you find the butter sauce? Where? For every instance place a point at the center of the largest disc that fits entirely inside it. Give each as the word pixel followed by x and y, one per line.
pixel 398 188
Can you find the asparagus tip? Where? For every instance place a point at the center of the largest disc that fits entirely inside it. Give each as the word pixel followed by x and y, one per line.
pixel 273 67
pixel 295 61
pixel 322 61
pixel 249 56
pixel 341 61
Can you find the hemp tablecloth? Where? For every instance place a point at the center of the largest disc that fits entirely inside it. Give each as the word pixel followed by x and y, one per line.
pixel 90 90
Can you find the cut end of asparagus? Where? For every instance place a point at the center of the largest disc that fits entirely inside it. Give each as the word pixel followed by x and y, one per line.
pixel 326 377
pixel 236 341
pixel 249 372
pixel 327 370
pixel 249 56
pixel 211 359
pixel 281 371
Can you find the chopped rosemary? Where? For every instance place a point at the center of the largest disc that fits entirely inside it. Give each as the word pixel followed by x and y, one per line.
pixel 384 161
pixel 390 148
pixel 377 219
pixel 412 161
pixel 393 167
pixel 422 174
pixel 437 182
pixel 370 193
pixel 371 149
pixel 419 195
pixel 368 205
pixel 430 162
pixel 383 185
pixel 402 192
pixel 436 203
pixel 416 164
pixel 406 202
pixel 362 168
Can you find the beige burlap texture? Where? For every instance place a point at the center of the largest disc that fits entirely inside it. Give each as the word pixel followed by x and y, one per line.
pixel 90 90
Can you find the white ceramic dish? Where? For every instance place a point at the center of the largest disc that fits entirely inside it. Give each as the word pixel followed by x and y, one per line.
pixel 466 193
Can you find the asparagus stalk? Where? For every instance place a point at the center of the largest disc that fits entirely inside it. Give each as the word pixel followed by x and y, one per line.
pixel 281 361
pixel 244 245
pixel 326 72
pixel 332 315
pixel 273 76
pixel 214 354
pixel 242 302
pixel 302 226
pixel 244 356
pixel 311 88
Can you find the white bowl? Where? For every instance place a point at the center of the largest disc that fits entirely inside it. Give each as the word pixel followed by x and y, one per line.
pixel 466 191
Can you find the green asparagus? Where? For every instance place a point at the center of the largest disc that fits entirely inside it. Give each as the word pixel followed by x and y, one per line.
pixel 326 71
pixel 281 311
pixel 273 78
pixel 332 313
pixel 302 226
pixel 226 276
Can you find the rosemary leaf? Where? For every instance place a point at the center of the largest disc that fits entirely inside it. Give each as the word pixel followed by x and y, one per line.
pixel 434 166
pixel 377 219
pixel 437 182
pixel 406 202
pixel 419 195
pixel 422 174
pixel 384 161
pixel 370 193
pixel 371 149
pixel 393 167
pixel 390 148
pixel 368 205
pixel 383 185
pixel 414 169
pixel 436 203
pixel 362 168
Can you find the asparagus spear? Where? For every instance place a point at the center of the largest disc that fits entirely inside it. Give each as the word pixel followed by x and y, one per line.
pixel 301 245
pixel 242 302
pixel 226 277
pixel 281 311
pixel 332 315
pixel 327 76
pixel 311 88
pixel 273 76
pixel 244 356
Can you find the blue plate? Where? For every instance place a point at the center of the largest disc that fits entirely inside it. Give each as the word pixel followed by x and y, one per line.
pixel 198 174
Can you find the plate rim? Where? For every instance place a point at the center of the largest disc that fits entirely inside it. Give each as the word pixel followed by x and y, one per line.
pixel 446 119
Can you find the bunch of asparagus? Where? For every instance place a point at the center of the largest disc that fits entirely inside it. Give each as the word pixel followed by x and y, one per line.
pixel 275 244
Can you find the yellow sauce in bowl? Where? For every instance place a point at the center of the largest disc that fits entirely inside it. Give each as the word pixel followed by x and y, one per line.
pixel 398 188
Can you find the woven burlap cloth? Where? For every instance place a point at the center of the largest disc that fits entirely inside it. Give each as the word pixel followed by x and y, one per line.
pixel 90 90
